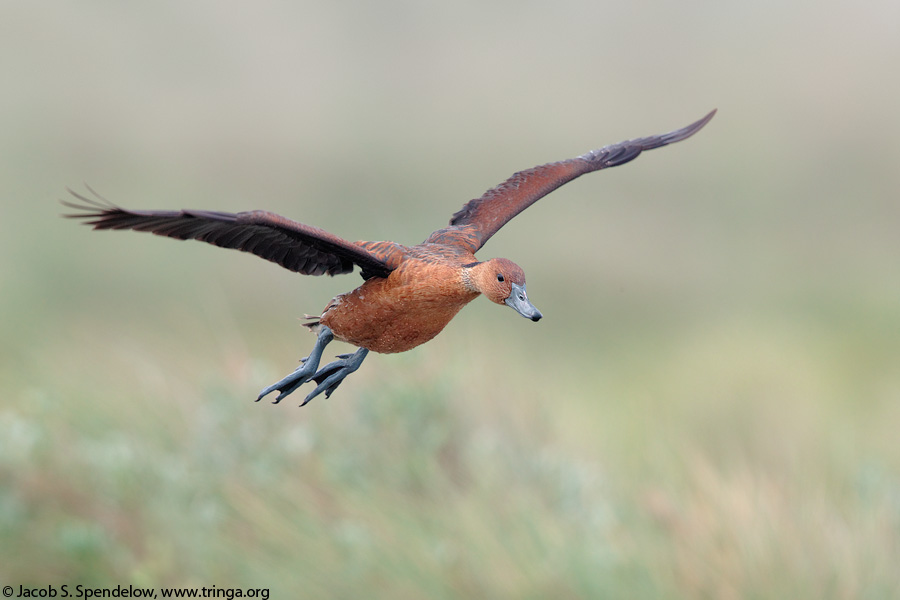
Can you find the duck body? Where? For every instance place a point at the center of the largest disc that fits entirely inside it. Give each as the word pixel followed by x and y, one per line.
pixel 407 308
pixel 428 285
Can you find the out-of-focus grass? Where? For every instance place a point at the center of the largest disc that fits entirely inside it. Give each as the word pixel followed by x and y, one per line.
pixel 735 467
pixel 709 408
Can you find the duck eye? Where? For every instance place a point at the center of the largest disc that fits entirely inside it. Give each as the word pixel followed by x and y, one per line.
pixel 500 277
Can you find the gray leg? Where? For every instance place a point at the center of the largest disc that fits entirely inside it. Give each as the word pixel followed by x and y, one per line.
pixel 331 375
pixel 305 372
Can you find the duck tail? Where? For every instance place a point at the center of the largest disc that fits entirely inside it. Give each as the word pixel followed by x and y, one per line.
pixel 313 323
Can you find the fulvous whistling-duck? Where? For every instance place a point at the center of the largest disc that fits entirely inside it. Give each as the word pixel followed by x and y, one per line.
pixel 410 292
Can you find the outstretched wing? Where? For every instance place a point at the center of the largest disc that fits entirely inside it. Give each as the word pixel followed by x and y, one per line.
pixel 294 246
pixel 481 218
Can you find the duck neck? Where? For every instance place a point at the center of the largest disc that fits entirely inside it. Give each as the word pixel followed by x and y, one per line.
pixel 466 275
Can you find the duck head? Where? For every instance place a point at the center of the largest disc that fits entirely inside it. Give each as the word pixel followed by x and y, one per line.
pixel 503 282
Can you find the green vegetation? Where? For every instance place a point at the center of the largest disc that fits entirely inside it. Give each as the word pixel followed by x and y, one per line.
pixel 729 461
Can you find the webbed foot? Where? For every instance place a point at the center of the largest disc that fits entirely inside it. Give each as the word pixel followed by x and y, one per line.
pixel 328 378
pixel 305 372
pixel 333 374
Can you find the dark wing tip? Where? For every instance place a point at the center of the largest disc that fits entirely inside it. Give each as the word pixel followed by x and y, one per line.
pixel 95 211
pixel 623 152
pixel 677 135
pixel 88 207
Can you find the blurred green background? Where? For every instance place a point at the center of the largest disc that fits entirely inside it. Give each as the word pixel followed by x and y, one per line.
pixel 709 409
